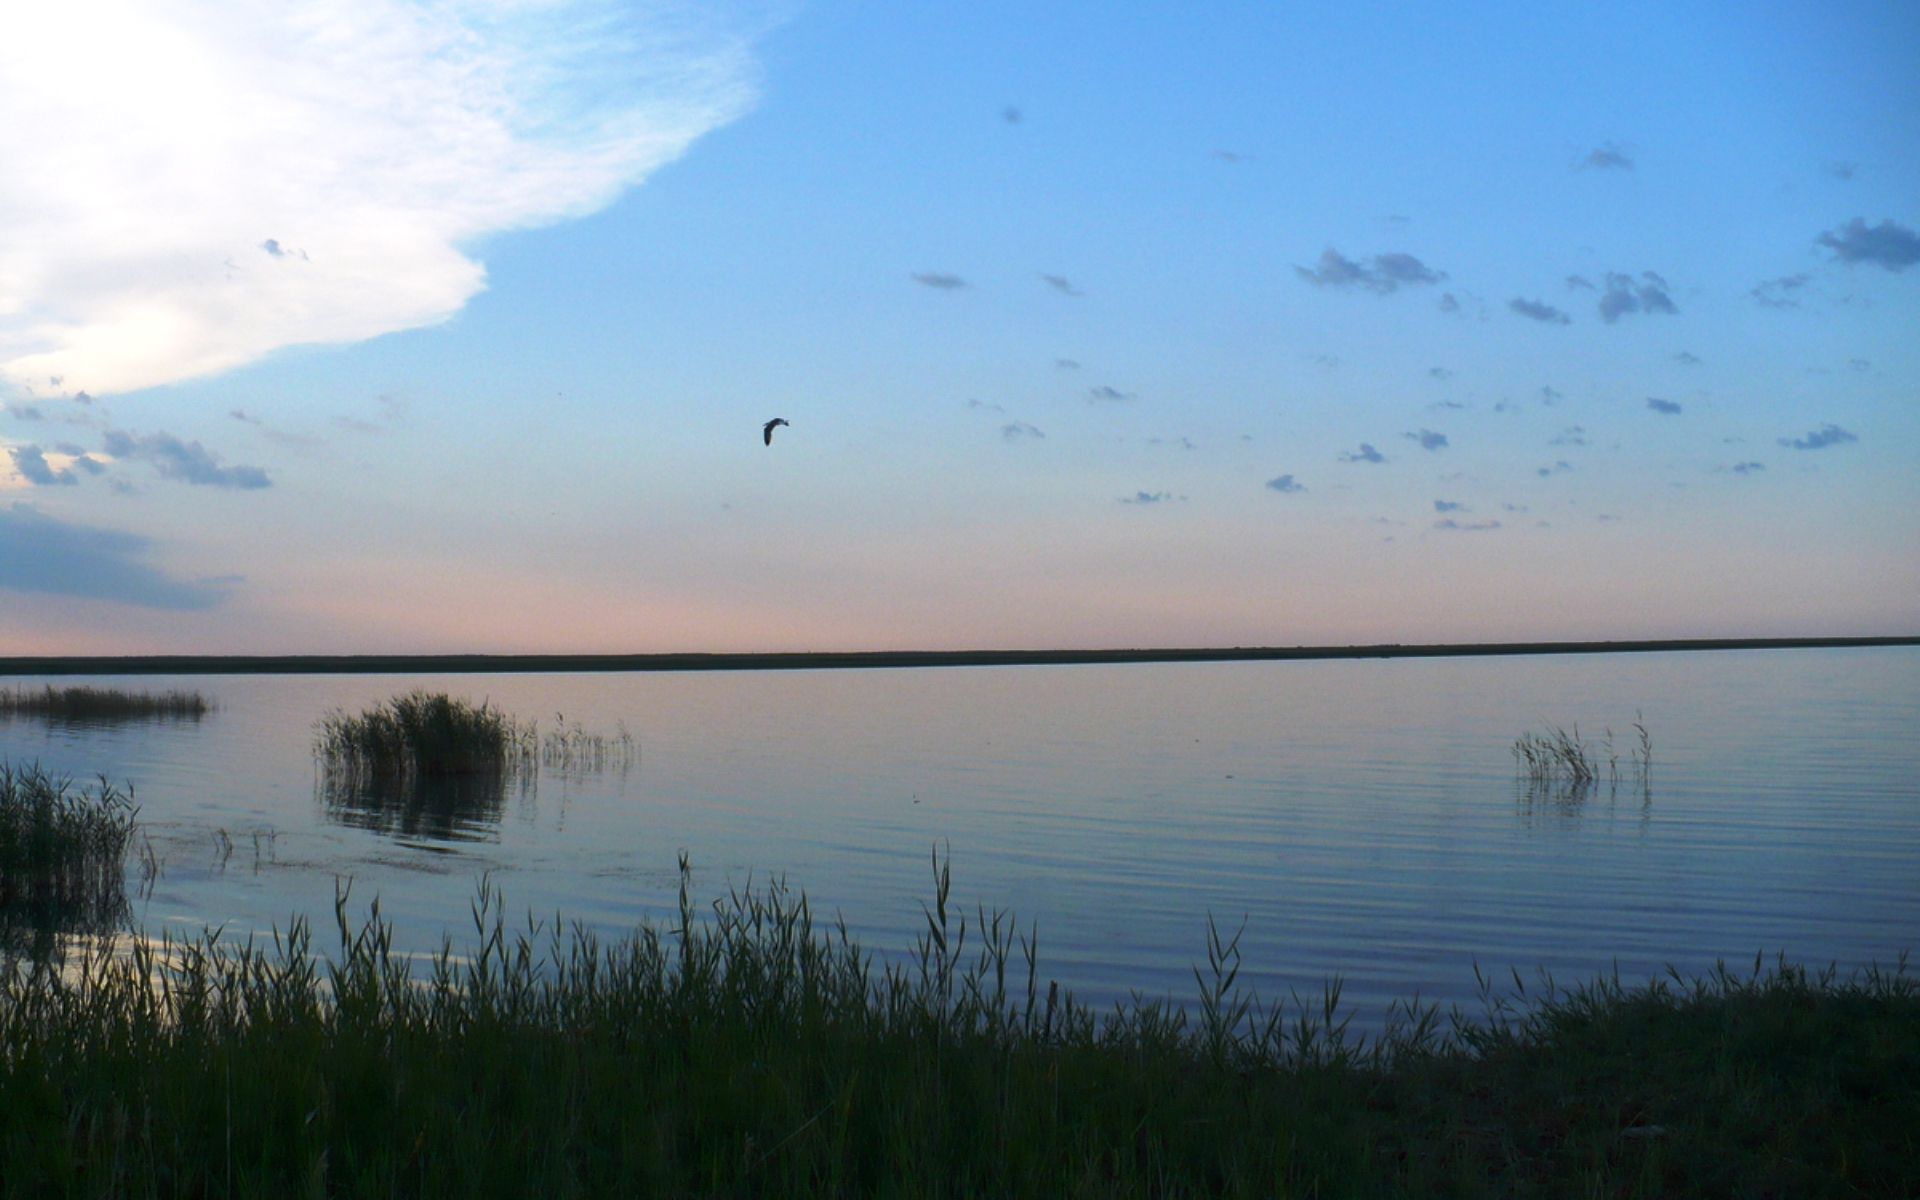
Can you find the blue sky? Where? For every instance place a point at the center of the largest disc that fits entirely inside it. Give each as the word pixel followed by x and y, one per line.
pixel 372 326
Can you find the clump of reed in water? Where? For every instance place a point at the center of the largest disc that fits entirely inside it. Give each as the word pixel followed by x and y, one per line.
pixel 1556 758
pixel 423 735
pixel 575 749
pixel 62 855
pixel 744 1051
pixel 91 704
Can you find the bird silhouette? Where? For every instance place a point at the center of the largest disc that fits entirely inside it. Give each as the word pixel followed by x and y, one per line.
pixel 766 431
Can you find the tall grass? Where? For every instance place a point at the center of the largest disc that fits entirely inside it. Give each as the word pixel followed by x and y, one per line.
pixel 1556 757
pixel 427 764
pixel 423 735
pixel 91 705
pixel 573 749
pixel 62 858
pixel 749 1050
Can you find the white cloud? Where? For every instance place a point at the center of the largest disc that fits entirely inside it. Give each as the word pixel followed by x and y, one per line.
pixel 158 155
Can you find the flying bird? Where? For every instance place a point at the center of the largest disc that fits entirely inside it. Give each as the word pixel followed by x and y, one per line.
pixel 766 431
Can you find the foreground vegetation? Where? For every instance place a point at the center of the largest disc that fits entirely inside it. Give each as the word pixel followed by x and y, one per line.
pixel 745 1051
pixel 91 705
pixel 63 855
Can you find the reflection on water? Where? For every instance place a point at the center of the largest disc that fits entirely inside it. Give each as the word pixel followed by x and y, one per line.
pixel 1363 817
pixel 466 807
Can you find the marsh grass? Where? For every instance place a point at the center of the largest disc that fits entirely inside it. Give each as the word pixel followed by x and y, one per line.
pixel 63 858
pixel 748 1050
pixel 572 749
pixel 424 735
pixel 426 764
pixel 1560 769
pixel 91 705
pixel 423 765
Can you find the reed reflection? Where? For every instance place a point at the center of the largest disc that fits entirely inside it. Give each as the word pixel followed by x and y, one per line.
pixel 62 861
pixel 91 706
pixel 427 765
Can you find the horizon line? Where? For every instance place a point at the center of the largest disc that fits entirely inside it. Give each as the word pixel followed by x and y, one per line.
pixel 802 660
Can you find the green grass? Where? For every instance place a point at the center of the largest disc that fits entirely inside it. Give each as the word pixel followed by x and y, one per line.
pixel 747 1050
pixel 62 858
pixel 89 705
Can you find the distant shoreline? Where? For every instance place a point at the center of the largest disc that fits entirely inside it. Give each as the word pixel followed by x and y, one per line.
pixel 470 664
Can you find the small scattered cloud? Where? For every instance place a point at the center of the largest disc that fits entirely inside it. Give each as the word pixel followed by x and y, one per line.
pixel 30 463
pixel 1625 294
pixel 1065 364
pixel 1011 115
pixel 1687 358
pixel 1841 170
pixel 1365 454
pixel 1887 244
pixel 1607 157
pixel 1549 395
pixel 1462 303
pixel 1285 485
pixel 1557 468
pixel 1447 506
pixel 982 404
pixel 1439 373
pixel 1572 435
pixel 1819 439
pixel 1450 523
pixel 1669 407
pixel 1020 431
pixel 1329 361
pixel 1577 283
pixel 188 462
pixel 1513 508
pixel 1386 272
pixel 1231 156
pixel 39 553
pixel 1428 439
pixel 1539 310
pixel 1748 468
pixel 1781 292
pixel 241 414
pixel 1150 498
pixel 25 412
pixel 1107 394
pixel 1060 284
pixel 939 280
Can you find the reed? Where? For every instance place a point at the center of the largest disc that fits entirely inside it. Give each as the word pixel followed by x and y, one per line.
pixel 573 749
pixel 62 858
pixel 91 705
pixel 746 1049
pixel 1556 758
pixel 423 735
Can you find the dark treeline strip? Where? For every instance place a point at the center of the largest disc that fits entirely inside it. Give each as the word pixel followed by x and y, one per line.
pixel 415 664
pixel 82 705
pixel 743 1052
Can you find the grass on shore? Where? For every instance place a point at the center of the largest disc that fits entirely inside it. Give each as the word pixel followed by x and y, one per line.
pixel 748 1051
pixel 91 705
pixel 62 858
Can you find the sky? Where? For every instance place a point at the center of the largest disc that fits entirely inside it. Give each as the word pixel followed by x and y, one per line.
pixel 421 326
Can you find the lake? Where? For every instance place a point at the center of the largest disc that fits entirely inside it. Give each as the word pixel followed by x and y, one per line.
pixel 1362 818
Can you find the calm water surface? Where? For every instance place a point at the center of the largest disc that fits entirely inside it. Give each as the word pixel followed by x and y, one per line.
pixel 1361 816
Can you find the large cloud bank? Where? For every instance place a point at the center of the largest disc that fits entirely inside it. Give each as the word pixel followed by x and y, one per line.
pixel 190 185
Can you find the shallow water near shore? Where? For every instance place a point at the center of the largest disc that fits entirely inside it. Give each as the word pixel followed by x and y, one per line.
pixel 1361 817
